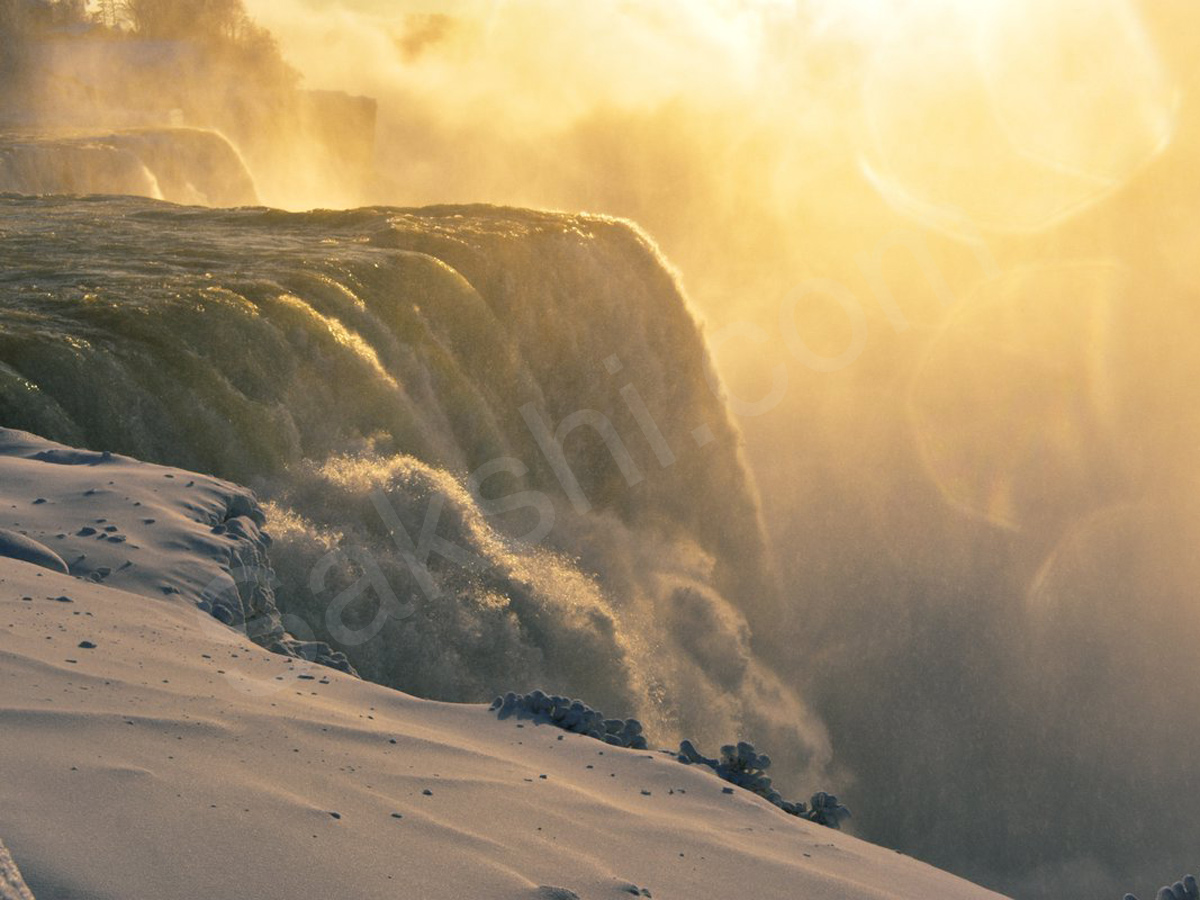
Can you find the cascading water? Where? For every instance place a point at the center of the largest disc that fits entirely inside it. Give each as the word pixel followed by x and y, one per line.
pixel 182 165
pixel 491 441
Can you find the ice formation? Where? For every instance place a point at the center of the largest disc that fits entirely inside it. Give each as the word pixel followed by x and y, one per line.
pixel 1187 889
pixel 571 715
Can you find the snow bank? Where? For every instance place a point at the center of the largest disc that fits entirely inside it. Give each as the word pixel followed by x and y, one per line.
pixel 739 764
pixel 149 530
pixel 148 751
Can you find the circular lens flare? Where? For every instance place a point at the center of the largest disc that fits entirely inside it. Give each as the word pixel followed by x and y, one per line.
pixel 1013 116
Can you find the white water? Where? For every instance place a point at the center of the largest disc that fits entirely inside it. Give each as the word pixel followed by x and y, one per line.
pixel 182 165
pixel 358 368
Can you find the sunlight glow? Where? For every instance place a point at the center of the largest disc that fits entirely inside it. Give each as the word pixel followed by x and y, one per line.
pixel 1013 116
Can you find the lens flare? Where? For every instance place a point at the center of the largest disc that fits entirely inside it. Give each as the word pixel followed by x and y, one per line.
pixel 1012 117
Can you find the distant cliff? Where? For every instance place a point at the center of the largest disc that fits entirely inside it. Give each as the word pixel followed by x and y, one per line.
pixel 182 165
pixel 302 146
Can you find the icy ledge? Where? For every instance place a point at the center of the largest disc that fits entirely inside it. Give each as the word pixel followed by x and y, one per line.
pixel 145 529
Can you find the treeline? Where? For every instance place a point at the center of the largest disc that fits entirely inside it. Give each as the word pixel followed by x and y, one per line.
pixel 106 65
pixel 26 17
pixel 217 23
pixel 223 28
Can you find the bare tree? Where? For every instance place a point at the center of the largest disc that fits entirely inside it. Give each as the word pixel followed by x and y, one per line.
pixel 70 12
pixel 211 20
pixel 111 13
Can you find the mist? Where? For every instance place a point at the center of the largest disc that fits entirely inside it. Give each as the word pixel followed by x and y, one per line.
pixel 942 254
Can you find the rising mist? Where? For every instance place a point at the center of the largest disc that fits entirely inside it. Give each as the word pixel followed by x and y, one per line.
pixel 971 437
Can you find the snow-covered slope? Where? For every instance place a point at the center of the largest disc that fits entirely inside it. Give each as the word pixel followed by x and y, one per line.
pixel 147 750
pixel 151 530
pixel 146 529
